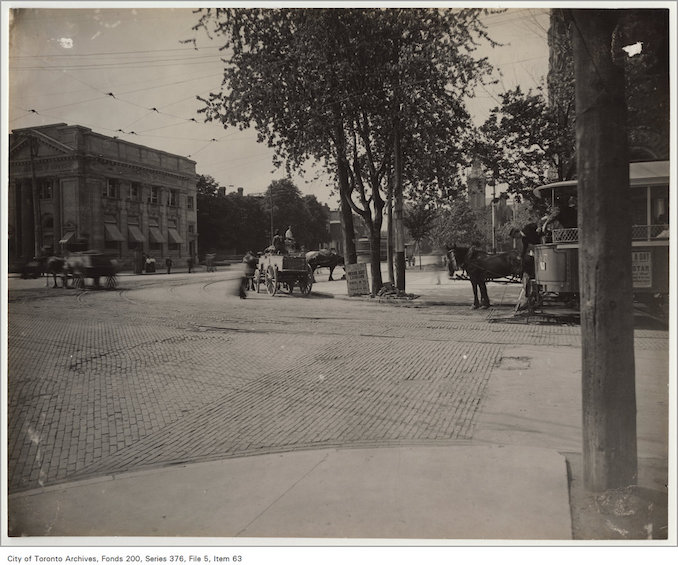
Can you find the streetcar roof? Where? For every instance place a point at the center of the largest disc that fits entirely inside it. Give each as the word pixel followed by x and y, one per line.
pixel 640 174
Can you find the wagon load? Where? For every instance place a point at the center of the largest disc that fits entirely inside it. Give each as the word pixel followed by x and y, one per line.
pixel 284 271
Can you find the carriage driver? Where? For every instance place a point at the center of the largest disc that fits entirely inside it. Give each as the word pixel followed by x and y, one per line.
pixel 290 244
pixel 278 243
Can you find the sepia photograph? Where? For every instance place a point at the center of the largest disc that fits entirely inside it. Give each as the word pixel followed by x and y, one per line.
pixel 352 274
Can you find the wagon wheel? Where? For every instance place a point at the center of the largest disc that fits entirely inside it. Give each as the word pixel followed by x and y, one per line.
pixel 111 282
pixel 78 281
pixel 257 278
pixel 272 280
pixel 306 282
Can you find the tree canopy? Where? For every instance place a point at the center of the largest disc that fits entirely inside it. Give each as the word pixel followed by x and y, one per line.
pixel 526 142
pixel 307 217
pixel 236 223
pixel 334 86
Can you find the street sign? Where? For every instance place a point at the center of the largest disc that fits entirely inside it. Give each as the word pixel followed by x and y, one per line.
pixel 356 279
pixel 642 269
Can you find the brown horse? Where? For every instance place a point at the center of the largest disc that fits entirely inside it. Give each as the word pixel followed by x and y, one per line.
pixel 481 267
pixel 324 258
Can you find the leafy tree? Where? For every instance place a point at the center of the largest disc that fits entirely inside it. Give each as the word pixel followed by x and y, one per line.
pixel 335 85
pixel 529 140
pixel 457 224
pixel 524 141
pixel 646 88
pixel 228 223
pixel 207 186
pixel 315 230
pixel 419 219
pixel 308 218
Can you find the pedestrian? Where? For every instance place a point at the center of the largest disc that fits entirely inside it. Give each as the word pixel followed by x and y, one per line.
pixel 168 264
pixel 190 264
pixel 251 262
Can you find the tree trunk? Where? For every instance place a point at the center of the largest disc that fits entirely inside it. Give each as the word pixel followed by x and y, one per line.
pixel 398 211
pixel 608 366
pixel 350 255
pixel 389 231
pixel 375 260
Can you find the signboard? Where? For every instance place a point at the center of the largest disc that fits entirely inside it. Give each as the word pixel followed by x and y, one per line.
pixel 356 279
pixel 641 267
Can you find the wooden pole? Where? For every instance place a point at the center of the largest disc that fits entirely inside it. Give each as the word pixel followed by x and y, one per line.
pixel 608 363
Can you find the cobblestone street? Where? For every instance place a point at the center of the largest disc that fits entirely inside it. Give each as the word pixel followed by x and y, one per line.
pixel 174 369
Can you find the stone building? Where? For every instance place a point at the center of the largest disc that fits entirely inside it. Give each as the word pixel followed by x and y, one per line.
pixel 476 184
pixel 98 192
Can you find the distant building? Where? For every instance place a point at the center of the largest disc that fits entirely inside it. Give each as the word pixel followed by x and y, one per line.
pixel 476 185
pixel 99 192
pixel 492 211
pixel 336 232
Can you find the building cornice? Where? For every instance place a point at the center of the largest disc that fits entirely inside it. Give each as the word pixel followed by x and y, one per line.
pixel 40 162
pixel 139 166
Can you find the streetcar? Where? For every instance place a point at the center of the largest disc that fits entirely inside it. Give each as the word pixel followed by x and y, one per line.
pixel 556 263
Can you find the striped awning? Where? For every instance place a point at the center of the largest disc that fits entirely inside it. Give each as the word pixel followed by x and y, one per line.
pixel 174 236
pixel 155 235
pixel 112 233
pixel 135 234
pixel 67 237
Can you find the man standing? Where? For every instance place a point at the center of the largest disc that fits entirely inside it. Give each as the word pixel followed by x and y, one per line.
pixel 168 264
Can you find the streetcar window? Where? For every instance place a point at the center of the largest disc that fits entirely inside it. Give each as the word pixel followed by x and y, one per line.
pixel 659 200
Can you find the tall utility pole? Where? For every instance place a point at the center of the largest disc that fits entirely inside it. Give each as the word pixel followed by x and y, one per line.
pixel 608 363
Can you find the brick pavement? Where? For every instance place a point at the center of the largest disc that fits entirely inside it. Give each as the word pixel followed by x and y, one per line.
pixel 165 371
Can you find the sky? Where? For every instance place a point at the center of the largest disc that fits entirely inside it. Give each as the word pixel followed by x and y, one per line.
pixel 122 71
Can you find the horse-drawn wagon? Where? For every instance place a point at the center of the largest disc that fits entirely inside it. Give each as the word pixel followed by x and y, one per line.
pixel 91 265
pixel 278 271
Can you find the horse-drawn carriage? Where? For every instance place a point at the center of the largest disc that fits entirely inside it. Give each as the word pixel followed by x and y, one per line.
pixel 91 265
pixel 277 271
pixel 556 263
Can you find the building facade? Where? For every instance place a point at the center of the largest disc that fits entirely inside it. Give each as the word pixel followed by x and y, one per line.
pixel 73 189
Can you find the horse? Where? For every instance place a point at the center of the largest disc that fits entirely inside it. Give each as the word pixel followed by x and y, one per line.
pixel 91 264
pixel 481 267
pixel 324 258
pixel 56 266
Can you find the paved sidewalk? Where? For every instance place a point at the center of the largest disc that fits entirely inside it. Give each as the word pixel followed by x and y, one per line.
pixel 441 492
pixel 508 484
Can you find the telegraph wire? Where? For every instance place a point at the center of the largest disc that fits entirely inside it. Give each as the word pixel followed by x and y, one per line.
pixel 116 53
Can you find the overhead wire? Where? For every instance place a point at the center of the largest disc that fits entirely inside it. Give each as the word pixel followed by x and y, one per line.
pixel 150 110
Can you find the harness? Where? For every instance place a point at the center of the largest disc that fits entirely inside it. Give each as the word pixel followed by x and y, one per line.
pixel 467 263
